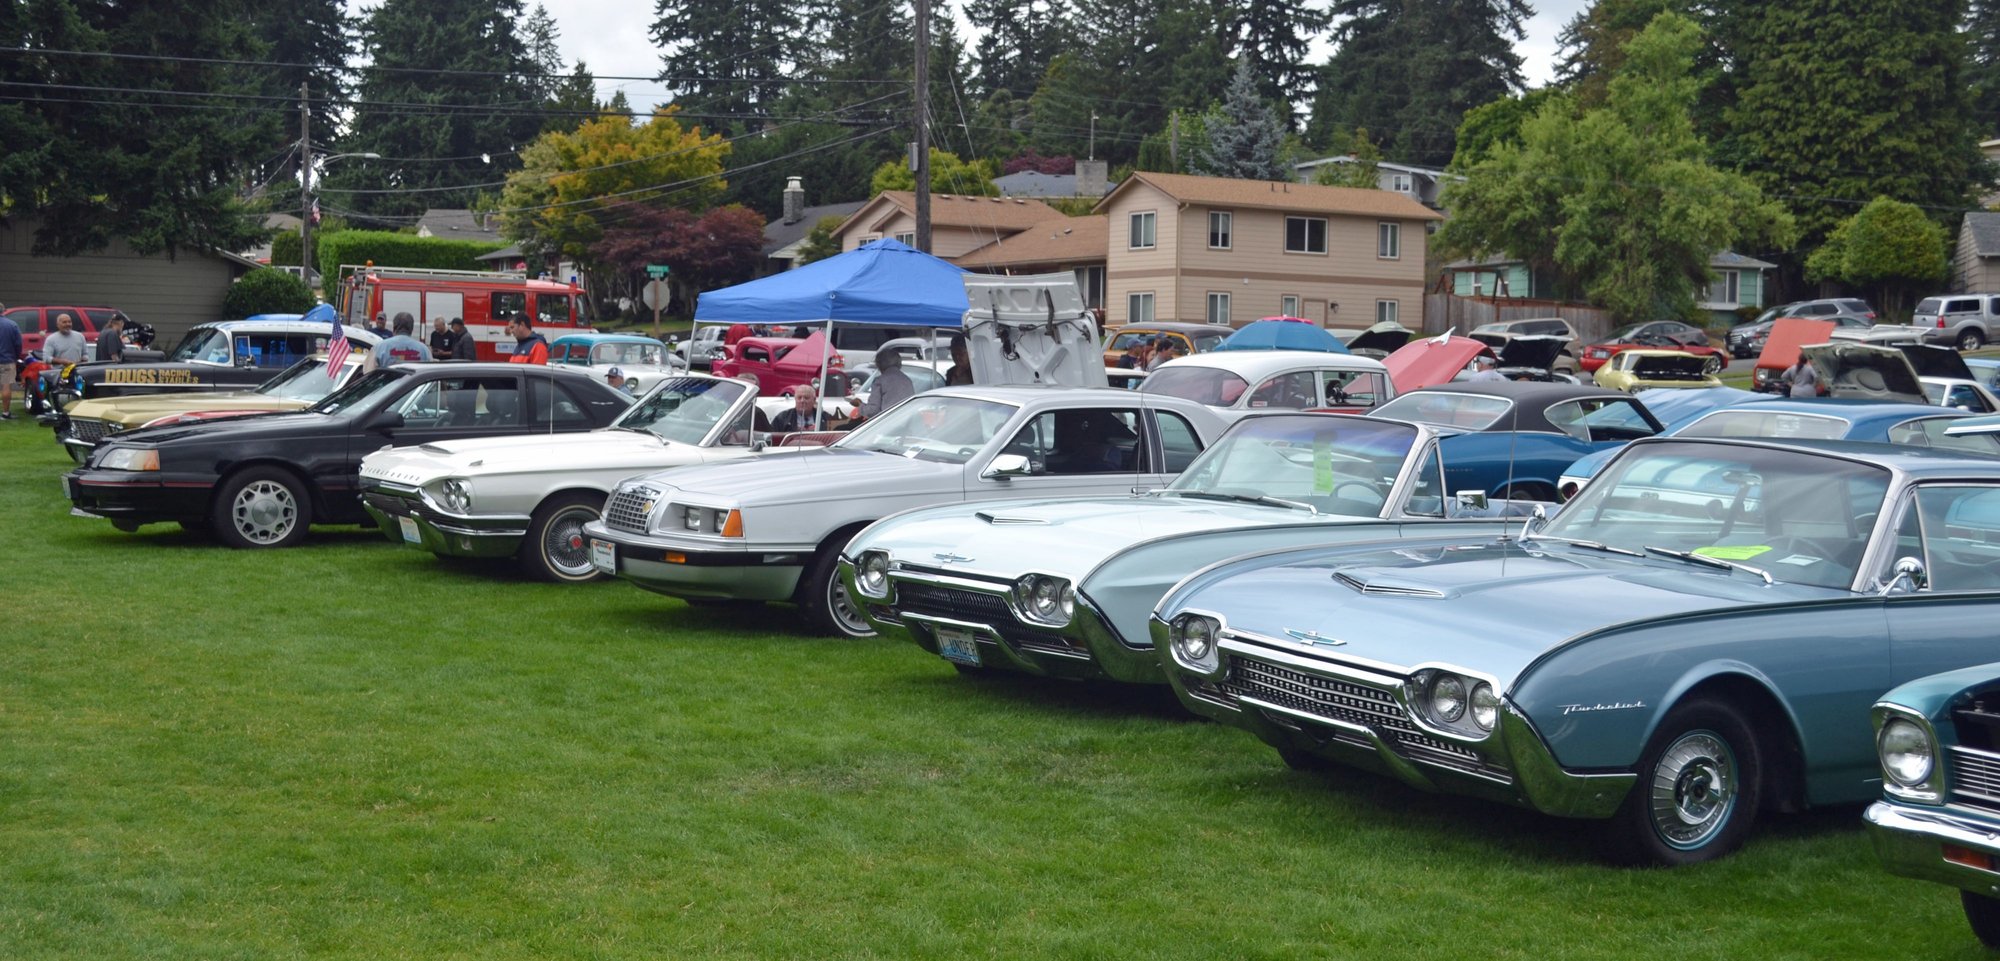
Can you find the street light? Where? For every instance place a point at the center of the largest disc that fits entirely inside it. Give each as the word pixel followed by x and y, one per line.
pixel 307 203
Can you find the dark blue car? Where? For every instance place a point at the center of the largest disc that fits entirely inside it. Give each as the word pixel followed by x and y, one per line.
pixel 1517 438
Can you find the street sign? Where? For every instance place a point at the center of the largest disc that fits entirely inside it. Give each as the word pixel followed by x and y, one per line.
pixel 656 270
pixel 657 295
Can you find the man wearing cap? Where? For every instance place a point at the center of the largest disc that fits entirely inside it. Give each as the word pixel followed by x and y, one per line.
pixel 615 378
pixel 463 346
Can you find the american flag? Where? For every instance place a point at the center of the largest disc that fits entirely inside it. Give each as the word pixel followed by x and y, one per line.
pixel 336 351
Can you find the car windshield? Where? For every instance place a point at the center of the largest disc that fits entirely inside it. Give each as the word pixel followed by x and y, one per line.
pixel 1765 423
pixel 1203 385
pixel 1499 328
pixel 1797 516
pixel 305 380
pixel 202 345
pixel 1446 409
pixel 1336 465
pixel 645 355
pixel 932 427
pixel 1623 334
pixel 683 409
pixel 359 392
pixel 1203 343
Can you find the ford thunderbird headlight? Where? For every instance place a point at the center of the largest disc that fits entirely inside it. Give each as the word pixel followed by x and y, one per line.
pixel 1452 702
pixel 456 495
pixel 130 458
pixel 1044 600
pixel 1485 706
pixel 1193 639
pixel 871 574
pixel 1447 697
pixel 1908 754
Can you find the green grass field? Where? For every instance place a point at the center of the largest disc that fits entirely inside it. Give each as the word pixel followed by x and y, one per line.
pixel 351 750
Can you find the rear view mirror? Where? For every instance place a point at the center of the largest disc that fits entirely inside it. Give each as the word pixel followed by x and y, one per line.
pixel 1005 466
pixel 1472 500
pixel 385 420
pixel 1909 576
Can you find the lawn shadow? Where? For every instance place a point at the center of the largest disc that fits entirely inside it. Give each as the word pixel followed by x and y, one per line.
pixel 1072 697
pixel 659 612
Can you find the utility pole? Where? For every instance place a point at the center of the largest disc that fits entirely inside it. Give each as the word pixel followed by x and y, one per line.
pixel 923 125
pixel 305 187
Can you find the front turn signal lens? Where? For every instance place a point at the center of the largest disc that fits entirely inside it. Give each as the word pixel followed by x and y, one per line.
pixel 732 526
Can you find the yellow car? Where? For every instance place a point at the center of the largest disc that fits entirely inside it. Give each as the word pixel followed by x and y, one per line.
pixel 1636 370
pixel 87 422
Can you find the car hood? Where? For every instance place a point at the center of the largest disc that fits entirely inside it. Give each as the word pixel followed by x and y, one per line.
pixel 808 474
pixel 145 407
pixel 1865 372
pixel 1492 608
pixel 535 454
pixel 1788 334
pixel 1537 351
pixel 1385 336
pixel 1932 361
pixel 235 429
pixel 1068 537
pixel 1671 365
pixel 1433 360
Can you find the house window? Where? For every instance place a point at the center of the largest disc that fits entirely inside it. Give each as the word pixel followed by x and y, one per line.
pixel 1305 235
pixel 1139 308
pixel 1727 288
pixel 1090 281
pixel 908 239
pixel 1389 241
pixel 1385 312
pixel 1289 305
pixel 1220 223
pixel 1400 183
pixel 1142 230
pixel 1218 308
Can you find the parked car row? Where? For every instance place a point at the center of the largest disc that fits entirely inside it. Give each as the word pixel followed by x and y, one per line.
pixel 1664 614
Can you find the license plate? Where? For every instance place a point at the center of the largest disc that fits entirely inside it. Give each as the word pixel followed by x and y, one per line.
pixel 958 647
pixel 604 556
pixel 410 532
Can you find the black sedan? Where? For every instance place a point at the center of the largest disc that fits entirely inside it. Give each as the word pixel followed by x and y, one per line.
pixel 259 481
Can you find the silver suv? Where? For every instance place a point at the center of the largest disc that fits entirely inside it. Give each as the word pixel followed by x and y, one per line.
pixel 1966 321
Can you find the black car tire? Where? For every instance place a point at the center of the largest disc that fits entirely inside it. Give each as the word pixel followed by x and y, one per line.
pixel 1698 790
pixel 554 549
pixel 824 599
pixel 1983 914
pixel 1714 365
pixel 1972 339
pixel 261 507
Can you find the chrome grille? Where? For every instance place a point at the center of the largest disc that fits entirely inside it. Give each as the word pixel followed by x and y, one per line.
pixel 1353 703
pixel 89 430
pixel 1975 777
pixel 627 507
pixel 937 601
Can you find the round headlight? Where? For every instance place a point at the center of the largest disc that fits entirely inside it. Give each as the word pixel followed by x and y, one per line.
pixel 1049 600
pixel 1046 599
pixel 1448 698
pixel 1907 752
pixel 457 495
pixel 1485 706
pixel 1194 637
pixel 872 576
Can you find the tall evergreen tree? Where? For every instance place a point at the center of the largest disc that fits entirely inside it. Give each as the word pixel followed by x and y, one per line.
pixel 150 170
pixel 1591 46
pixel 435 127
pixel 1245 136
pixel 1017 38
pixel 729 58
pixel 1275 37
pixel 1410 69
pixel 1841 101
pixel 320 36
pixel 1982 72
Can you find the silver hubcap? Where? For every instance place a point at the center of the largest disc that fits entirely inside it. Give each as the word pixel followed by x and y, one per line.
pixel 1693 790
pixel 563 543
pixel 843 609
pixel 264 512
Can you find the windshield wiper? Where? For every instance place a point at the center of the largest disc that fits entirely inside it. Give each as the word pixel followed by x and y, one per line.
pixel 1708 561
pixel 1249 499
pixel 1586 545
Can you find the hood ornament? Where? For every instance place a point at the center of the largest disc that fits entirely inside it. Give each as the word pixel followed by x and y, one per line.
pixel 1313 638
pixel 946 557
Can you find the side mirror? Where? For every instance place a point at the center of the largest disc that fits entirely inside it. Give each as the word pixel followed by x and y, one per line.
pixel 385 420
pixel 244 360
pixel 1909 576
pixel 759 444
pixel 1535 522
pixel 1005 466
pixel 1472 500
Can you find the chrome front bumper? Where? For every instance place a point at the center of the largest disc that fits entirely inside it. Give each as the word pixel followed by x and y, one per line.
pixel 921 601
pixel 439 531
pixel 1909 840
pixel 742 573
pixel 1356 717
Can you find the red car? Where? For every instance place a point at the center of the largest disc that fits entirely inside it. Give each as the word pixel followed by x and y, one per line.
pixel 780 363
pixel 37 323
pixel 1667 334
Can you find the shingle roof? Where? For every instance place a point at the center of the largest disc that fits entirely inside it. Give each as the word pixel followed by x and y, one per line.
pixel 1734 260
pixel 1062 240
pixel 1984 228
pixel 778 234
pixel 956 210
pixel 1034 183
pixel 458 225
pixel 1280 195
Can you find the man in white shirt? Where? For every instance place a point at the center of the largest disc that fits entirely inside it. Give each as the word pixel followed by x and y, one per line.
pixel 65 346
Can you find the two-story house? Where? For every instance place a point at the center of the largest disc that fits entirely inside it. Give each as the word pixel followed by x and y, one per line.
pixel 1230 251
pixel 959 224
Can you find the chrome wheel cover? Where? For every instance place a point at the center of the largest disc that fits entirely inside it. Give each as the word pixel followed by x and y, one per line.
pixel 845 613
pixel 264 512
pixel 564 548
pixel 1693 790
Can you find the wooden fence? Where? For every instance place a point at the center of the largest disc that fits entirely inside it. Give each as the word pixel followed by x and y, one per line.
pixel 1444 312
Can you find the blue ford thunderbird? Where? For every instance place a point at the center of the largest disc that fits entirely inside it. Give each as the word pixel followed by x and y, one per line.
pixel 1695 638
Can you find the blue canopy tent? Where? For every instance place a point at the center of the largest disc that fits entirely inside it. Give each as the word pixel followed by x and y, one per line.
pixel 1283 334
pixel 883 282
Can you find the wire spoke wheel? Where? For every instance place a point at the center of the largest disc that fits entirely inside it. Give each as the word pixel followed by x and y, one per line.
pixel 1693 790
pixel 264 512
pixel 563 543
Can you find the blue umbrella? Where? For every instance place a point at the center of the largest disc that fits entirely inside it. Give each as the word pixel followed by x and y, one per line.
pixel 1283 335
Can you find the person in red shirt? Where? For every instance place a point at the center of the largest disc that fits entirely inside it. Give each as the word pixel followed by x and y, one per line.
pixel 529 347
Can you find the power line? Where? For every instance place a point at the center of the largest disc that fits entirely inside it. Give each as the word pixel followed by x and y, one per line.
pixel 429 71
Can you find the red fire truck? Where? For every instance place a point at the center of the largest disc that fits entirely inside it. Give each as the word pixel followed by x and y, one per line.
pixel 486 300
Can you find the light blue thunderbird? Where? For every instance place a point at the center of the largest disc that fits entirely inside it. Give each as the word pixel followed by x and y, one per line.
pixel 1939 817
pixel 1695 637
pixel 1064 587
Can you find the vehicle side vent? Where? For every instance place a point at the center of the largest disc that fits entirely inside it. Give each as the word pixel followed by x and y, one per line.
pixel 1386 590
pixel 992 518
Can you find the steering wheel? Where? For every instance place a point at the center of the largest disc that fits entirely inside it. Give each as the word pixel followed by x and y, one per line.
pixel 1787 546
pixel 1369 495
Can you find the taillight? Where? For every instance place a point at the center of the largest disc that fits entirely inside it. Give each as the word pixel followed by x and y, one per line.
pixel 1940 322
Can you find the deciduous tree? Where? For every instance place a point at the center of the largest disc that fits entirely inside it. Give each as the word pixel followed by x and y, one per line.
pixel 714 249
pixel 949 175
pixel 1888 247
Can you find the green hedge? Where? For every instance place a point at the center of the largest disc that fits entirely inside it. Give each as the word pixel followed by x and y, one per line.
pixel 285 249
pixel 266 291
pixel 389 249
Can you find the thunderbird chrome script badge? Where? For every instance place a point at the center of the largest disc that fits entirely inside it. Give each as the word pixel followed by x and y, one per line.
pixel 950 558
pixel 1315 637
